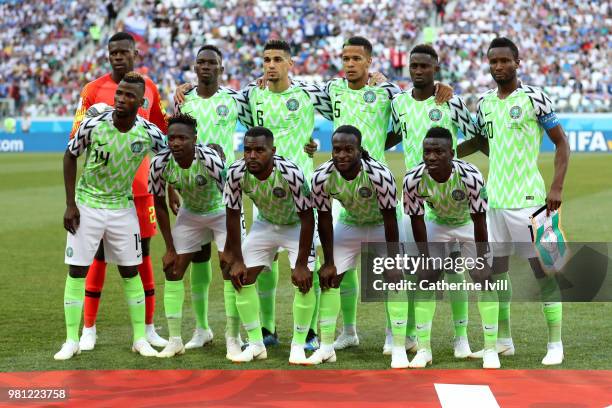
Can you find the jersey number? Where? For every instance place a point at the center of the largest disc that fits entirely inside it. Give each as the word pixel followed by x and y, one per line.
pixel 259 115
pixel 152 218
pixel 101 156
pixel 336 109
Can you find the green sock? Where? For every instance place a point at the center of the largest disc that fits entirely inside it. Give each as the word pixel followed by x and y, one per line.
pixel 488 306
pixel 424 309
pixel 459 304
pixel 201 275
pixel 232 326
pixel 328 314
pixel 134 293
pixel 411 324
pixel 504 296
pixel 349 288
pixel 397 313
pixel 174 295
pixel 74 295
pixel 303 307
pixel 247 303
pixel 552 307
pixel 267 281
pixel 316 287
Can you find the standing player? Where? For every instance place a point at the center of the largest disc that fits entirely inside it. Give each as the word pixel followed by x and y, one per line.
pixel 413 113
pixel 285 221
pixel 354 102
pixel 197 173
pixel 116 143
pixel 456 197
pixel 513 119
pixel 121 54
pixel 366 190
pixel 217 112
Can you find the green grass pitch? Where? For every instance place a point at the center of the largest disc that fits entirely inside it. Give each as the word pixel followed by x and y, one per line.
pixel 33 276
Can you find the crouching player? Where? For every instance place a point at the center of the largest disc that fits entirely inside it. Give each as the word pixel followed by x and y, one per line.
pixel 197 172
pixel 455 193
pixel 285 221
pixel 366 190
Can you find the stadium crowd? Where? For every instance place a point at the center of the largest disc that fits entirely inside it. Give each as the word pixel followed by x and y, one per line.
pixel 565 45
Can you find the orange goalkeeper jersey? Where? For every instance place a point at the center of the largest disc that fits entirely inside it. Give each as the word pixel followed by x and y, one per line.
pixel 103 90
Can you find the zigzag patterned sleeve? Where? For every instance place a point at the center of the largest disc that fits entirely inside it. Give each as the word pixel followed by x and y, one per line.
pixel 297 183
pixel 318 96
pixel 462 118
pixel 543 107
pixel 397 128
pixel 232 192
pixel 320 198
pixel 480 122
pixel 414 204
pixel 78 144
pixel 245 115
pixel 474 183
pixel 213 163
pixel 158 139
pixel 391 88
pixel 157 183
pixel 384 183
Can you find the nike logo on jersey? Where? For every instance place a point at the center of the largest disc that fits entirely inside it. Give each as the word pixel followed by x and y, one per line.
pixel 402 114
pixel 258 103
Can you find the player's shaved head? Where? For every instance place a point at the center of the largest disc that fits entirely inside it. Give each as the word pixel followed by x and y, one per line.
pixel 122 36
pixel 359 42
pixel 503 42
pixel 277 45
pixel 425 49
pixel 212 48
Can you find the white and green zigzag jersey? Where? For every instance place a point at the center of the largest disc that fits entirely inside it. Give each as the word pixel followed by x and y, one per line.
pixel 279 198
pixel 450 202
pixel 217 117
pixel 290 115
pixel 201 185
pixel 112 159
pixel 362 198
pixel 368 109
pixel 412 119
pixel 514 127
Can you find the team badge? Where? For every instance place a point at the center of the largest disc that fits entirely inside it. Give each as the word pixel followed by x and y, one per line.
pixel 69 252
pixel 365 192
pixel 515 112
pixel 435 115
pixel 222 110
pixel 200 180
pixel 369 96
pixel 145 104
pixel 137 147
pixel 279 192
pixel 458 195
pixel 292 104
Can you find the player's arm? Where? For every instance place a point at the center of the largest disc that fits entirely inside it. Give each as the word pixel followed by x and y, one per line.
pixel 322 202
pixel 394 136
pixel 301 276
pixel 562 153
pixel 414 207
pixel 477 140
pixel 232 253
pixel 181 91
pixel 157 187
pixel 158 116
pixel 85 103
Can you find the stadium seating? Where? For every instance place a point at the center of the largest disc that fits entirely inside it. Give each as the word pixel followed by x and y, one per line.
pixel 564 47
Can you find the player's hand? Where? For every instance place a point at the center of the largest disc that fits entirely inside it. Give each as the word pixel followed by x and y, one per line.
pixel 553 200
pixel 174 200
pixel 168 260
pixel 301 277
pixel 311 147
pixel 97 109
pixel 217 148
pixel 443 93
pixel 327 276
pixel 482 275
pixel 179 93
pixel 261 82
pixel 376 78
pixel 238 274
pixel 393 275
pixel 72 219
pixel 226 260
